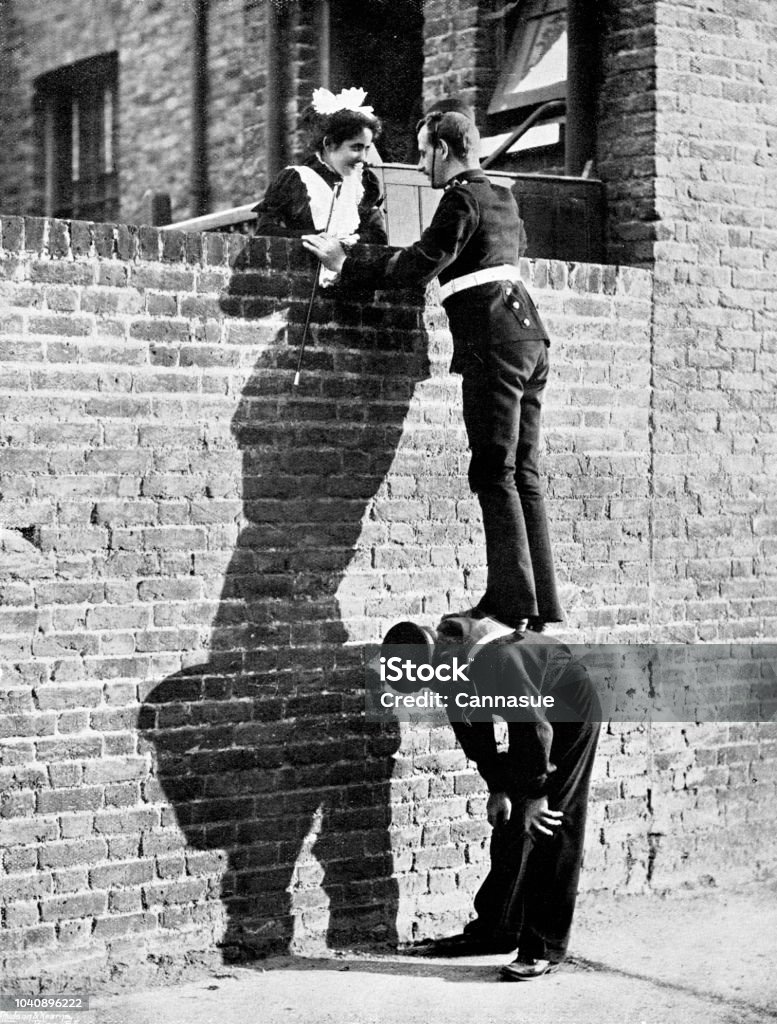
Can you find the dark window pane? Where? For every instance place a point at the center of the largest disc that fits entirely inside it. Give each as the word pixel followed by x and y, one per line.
pixel 76 107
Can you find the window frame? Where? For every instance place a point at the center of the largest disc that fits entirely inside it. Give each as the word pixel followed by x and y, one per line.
pixel 527 27
pixel 76 117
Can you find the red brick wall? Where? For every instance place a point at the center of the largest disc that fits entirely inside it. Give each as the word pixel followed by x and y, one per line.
pixel 193 556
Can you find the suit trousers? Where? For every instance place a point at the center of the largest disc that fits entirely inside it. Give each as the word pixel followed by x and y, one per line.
pixel 502 391
pixel 529 894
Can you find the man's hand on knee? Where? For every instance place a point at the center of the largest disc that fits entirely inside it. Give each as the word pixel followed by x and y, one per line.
pixel 538 819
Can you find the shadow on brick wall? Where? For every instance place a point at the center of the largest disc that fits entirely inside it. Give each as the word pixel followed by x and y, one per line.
pixel 263 751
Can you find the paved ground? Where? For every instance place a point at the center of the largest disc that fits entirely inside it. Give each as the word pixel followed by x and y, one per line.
pixel 703 958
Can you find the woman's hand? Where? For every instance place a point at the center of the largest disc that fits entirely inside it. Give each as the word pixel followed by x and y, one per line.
pixel 328 249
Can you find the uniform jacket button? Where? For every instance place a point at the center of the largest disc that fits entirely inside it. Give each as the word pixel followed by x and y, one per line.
pixel 527 322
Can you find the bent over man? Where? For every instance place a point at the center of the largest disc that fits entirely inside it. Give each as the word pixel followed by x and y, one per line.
pixel 500 347
pixel 538 787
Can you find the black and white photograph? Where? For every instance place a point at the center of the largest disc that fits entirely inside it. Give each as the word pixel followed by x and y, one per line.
pixel 388 511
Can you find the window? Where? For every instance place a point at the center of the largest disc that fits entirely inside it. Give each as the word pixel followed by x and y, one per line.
pixel 535 67
pixel 76 124
pixel 532 42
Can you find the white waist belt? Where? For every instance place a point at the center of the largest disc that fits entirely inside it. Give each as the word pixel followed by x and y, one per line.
pixel 505 272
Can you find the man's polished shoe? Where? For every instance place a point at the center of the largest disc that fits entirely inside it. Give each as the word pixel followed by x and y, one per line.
pixel 467 613
pixel 477 613
pixel 525 968
pixel 463 944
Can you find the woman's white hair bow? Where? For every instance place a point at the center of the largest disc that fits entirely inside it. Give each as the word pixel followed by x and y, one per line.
pixel 325 102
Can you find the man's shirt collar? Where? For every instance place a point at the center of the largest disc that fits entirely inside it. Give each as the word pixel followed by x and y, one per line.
pixel 464 177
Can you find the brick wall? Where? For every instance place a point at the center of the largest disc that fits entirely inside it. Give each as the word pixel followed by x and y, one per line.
pixel 300 28
pixel 235 102
pixel 716 312
pixel 154 41
pixel 29 49
pixel 685 144
pixel 193 556
pixel 647 49
pixel 626 129
pixel 459 52
pixel 461 57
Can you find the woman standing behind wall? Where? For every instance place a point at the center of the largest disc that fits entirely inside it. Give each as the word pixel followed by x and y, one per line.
pixel 333 189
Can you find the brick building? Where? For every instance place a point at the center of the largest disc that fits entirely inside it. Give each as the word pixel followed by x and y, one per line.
pixel 105 106
pixel 193 556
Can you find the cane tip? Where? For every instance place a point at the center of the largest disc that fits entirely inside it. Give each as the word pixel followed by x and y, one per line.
pixel 296 379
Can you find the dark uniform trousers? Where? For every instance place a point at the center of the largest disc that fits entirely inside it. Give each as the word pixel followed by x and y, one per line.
pixel 529 895
pixel 502 399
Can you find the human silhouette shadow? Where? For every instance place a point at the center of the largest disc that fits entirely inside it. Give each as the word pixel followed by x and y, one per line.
pixel 263 750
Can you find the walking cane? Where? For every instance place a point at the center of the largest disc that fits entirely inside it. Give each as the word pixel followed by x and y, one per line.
pixel 335 194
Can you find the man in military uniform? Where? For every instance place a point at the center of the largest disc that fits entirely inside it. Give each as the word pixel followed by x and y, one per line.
pixel 538 786
pixel 500 347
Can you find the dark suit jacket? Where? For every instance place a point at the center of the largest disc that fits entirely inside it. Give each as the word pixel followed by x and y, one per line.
pixel 530 665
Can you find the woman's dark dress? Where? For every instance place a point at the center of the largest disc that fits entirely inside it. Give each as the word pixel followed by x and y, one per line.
pixel 285 208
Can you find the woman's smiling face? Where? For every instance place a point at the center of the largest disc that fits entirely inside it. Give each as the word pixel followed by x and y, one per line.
pixel 347 156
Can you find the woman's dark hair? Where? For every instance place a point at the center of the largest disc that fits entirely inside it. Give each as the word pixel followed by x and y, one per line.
pixel 338 127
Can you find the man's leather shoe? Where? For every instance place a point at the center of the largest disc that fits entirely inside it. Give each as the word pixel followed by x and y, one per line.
pixel 525 968
pixel 477 613
pixel 467 613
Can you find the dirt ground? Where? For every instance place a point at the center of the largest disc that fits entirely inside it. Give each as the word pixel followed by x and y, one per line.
pixel 702 957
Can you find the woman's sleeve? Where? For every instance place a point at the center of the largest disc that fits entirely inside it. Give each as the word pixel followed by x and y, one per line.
pixel 285 208
pixel 372 221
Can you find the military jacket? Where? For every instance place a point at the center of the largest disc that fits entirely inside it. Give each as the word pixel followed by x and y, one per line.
pixel 476 225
